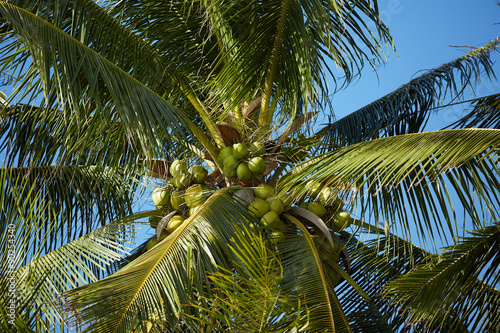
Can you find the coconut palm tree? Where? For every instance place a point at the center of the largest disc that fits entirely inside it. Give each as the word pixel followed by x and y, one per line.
pixel 206 100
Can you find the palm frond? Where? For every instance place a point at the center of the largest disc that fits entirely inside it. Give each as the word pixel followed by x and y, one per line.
pixel 281 46
pixel 305 277
pixel 485 113
pixel 460 281
pixel 49 249
pixel 90 24
pixel 69 201
pixel 403 183
pixel 375 262
pixel 407 109
pixel 76 77
pixel 74 264
pixel 161 283
pixel 251 298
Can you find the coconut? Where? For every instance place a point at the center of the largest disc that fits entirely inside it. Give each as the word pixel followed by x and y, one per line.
pixel 341 220
pixel 270 219
pixel 243 172
pixel 225 152
pixel 199 174
pixel 194 196
pixel 277 236
pixel 257 148
pixel 263 191
pixel 240 150
pixel 174 223
pixel 317 208
pixel 161 196
pixel 313 189
pixel 275 204
pixel 177 199
pixel 258 207
pixel 178 167
pixel 257 165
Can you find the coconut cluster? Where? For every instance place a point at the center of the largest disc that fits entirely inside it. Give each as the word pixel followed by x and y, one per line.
pixel 322 201
pixel 179 198
pixel 268 207
pixel 243 160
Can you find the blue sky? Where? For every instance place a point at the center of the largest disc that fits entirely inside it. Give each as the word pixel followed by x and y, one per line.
pixel 424 32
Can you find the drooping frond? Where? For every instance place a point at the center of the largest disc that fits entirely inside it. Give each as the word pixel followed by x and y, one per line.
pixel 305 277
pixel 77 77
pixel 403 182
pixel 46 252
pixel 407 109
pixel 160 284
pixel 374 263
pixel 458 286
pixel 71 265
pixel 485 113
pixel 69 201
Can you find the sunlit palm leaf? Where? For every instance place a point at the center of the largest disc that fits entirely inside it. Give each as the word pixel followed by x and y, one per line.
pixel 409 170
pixel 71 265
pixel 73 71
pixel 283 44
pixel 436 291
pixel 158 285
pixel 251 297
pixel 407 109
pixel 305 277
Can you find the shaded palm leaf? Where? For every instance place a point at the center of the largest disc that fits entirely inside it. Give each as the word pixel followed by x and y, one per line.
pixel 484 114
pixel 251 298
pixel 406 170
pixel 64 197
pixel 376 262
pixel 435 292
pixel 407 109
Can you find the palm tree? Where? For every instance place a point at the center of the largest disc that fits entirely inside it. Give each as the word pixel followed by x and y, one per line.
pixel 112 98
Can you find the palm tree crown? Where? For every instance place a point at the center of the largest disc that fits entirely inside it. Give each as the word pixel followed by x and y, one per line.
pixel 262 222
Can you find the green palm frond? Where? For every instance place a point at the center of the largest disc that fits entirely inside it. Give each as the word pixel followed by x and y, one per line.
pixel 375 262
pixel 58 141
pixel 70 70
pixel 281 46
pixel 407 109
pixel 305 276
pixel 50 250
pixel 407 173
pixel 459 281
pixel 485 113
pixel 251 297
pixel 69 201
pixel 91 25
pixel 161 283
pixel 71 265
pixel 179 31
